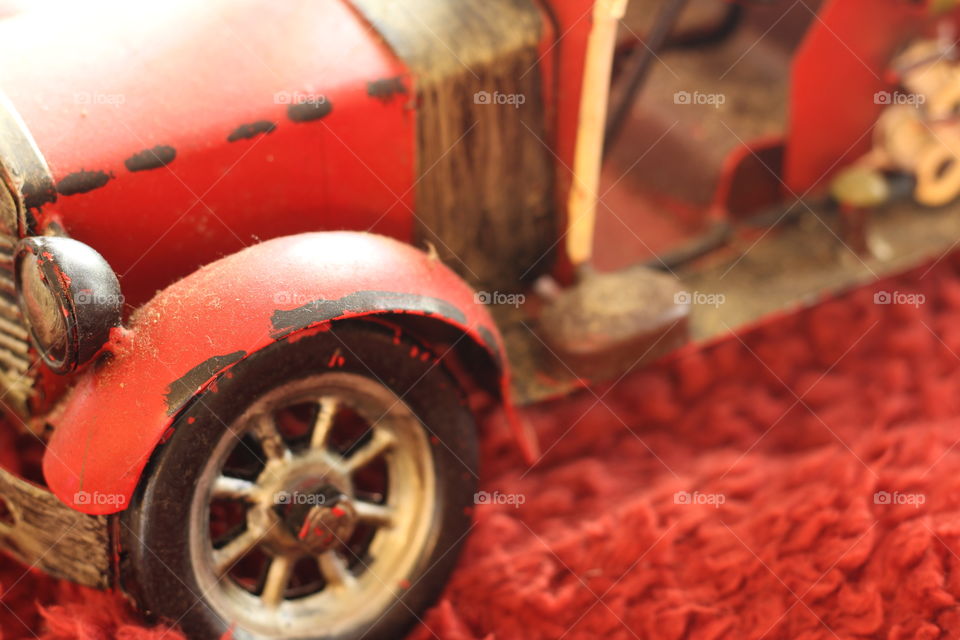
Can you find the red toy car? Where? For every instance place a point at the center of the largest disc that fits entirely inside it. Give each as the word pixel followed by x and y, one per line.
pixel 252 388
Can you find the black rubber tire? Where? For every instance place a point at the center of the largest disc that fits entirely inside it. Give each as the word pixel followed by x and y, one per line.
pixel 155 562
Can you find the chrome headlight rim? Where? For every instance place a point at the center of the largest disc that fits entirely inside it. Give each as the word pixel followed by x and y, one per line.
pixel 69 297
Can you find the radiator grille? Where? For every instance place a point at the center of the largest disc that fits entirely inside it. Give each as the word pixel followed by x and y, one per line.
pixel 16 376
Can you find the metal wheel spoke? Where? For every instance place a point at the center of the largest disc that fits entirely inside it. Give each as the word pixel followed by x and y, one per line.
pixel 335 570
pixel 371 513
pixel 265 428
pixel 225 557
pixel 233 488
pixel 278 577
pixel 323 422
pixel 379 443
pixel 246 525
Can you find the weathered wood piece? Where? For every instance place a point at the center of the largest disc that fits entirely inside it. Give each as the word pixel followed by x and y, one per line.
pixel 43 533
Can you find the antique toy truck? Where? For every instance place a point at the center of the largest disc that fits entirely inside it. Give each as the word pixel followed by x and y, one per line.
pixel 246 249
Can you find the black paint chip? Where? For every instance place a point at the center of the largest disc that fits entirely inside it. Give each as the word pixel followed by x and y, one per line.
pixel 184 387
pixel 251 130
pixel 286 321
pixel 81 182
pixel 37 193
pixel 386 88
pixel 159 156
pixel 309 110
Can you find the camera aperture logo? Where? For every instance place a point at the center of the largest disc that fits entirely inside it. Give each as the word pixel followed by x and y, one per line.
pixel 699 298
pixel 897 498
pixel 298 497
pixel 898 97
pixel 293 299
pixel 714 100
pixel 899 297
pixel 99 498
pixel 298 97
pixel 495 497
pixel 89 296
pixel 712 499
pixel 497 297
pixel 514 100
pixel 94 98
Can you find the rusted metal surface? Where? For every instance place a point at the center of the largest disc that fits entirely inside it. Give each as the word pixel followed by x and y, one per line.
pixel 25 184
pixel 43 533
pixel 611 322
pixel 608 325
pixel 800 262
pixel 23 171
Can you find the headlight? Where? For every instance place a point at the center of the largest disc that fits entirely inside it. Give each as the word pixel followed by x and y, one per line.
pixel 70 299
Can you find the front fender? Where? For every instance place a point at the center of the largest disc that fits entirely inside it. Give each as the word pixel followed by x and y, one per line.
pixel 178 343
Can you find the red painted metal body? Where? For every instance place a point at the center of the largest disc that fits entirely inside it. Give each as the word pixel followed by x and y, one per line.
pixel 179 342
pixel 839 67
pixel 254 120
pixel 198 77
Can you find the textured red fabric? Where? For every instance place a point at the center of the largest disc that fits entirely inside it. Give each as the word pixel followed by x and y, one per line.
pixel 796 423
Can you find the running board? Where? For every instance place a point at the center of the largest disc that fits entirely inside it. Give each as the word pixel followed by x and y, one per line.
pixel 797 260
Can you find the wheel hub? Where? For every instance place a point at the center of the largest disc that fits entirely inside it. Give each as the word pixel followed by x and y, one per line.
pixel 305 505
pixel 324 526
pixel 322 519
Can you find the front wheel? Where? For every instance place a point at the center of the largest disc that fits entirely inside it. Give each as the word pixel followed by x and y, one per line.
pixel 320 490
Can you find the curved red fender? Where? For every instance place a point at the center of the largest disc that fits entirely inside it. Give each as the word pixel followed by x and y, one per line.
pixel 191 332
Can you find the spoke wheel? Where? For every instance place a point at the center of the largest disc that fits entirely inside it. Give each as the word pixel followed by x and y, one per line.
pixel 308 497
pixel 343 481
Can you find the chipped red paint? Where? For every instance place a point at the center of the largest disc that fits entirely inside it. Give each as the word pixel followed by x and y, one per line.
pixel 113 419
pixel 235 164
pixel 214 67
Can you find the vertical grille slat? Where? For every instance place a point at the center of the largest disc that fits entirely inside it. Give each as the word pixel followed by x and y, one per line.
pixel 16 377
